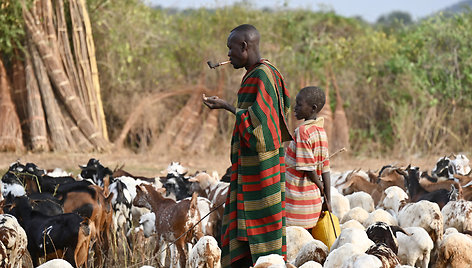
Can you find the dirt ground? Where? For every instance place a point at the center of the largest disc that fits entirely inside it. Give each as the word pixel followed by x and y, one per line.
pixel 151 165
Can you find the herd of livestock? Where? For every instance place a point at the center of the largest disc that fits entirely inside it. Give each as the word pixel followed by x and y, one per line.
pixel 396 217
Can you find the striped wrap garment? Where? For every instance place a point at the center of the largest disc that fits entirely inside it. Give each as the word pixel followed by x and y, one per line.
pixel 255 205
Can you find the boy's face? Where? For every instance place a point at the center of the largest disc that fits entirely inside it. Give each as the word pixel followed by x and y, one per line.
pixel 302 109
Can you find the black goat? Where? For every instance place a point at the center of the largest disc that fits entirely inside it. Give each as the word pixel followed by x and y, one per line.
pixel 47 234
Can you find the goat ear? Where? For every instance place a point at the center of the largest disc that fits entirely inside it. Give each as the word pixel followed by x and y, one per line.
pixel 386 178
pixel 347 184
pixel 194 179
pixel 140 188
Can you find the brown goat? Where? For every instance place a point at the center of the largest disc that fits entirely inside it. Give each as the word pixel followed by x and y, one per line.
pixel 430 186
pixel 392 177
pixel 356 183
pixel 173 219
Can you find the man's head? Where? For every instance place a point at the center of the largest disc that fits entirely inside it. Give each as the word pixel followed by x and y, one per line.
pixel 309 102
pixel 243 46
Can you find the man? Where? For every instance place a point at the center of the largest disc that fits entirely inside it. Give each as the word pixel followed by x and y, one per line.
pixel 254 218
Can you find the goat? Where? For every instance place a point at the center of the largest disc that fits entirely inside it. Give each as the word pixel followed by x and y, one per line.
pixel 444 169
pixel 417 192
pixel 95 172
pixel 173 219
pixel 380 232
pixel 48 234
pixel 357 183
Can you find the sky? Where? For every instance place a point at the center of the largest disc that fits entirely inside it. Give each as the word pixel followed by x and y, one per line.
pixel 369 10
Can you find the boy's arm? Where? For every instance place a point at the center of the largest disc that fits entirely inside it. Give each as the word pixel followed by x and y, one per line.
pixel 316 180
pixel 327 189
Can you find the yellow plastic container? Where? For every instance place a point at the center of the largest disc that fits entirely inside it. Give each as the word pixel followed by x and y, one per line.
pixel 324 230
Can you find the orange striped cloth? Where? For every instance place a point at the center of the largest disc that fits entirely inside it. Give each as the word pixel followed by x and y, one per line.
pixel 303 198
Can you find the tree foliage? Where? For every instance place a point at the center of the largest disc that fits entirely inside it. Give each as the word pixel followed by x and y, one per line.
pixel 404 91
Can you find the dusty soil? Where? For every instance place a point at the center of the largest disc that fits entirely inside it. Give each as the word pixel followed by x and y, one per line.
pixel 147 164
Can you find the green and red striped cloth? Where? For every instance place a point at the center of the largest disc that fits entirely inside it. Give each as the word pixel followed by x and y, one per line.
pixel 255 205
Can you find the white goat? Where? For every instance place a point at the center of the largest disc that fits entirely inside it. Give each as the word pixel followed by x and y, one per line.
pixel 414 249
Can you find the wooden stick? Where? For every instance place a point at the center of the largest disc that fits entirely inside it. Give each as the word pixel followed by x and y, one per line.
pixel 78 38
pixel 65 50
pixel 54 117
pixel 94 68
pixel 19 90
pixel 10 128
pixel 36 120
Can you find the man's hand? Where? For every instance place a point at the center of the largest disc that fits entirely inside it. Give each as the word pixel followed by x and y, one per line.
pixel 214 102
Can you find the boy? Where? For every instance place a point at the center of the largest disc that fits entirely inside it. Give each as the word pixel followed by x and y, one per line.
pixel 304 187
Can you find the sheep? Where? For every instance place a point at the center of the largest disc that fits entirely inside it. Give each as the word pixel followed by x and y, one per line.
pixel 205 253
pixel 385 254
pixel 272 261
pixel 414 249
pixel 359 214
pixel 148 221
pixel 352 224
pixel 458 214
pixel 380 215
pixel 56 263
pixel 380 232
pixel 339 203
pixel 339 255
pixel 450 230
pixel 311 264
pixel 314 250
pixel 462 164
pixel 454 251
pixel 296 237
pixel 423 214
pixel 362 260
pixel 353 236
pixel 361 199
pixel 13 241
pixel 392 199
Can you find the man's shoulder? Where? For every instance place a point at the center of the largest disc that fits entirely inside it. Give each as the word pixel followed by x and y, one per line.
pixel 262 71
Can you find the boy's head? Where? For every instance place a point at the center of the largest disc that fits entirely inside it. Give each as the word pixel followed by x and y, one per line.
pixel 309 102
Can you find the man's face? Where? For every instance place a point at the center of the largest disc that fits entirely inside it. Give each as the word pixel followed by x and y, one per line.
pixel 237 51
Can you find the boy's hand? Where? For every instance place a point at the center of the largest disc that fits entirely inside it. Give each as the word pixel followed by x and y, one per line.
pixel 326 206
